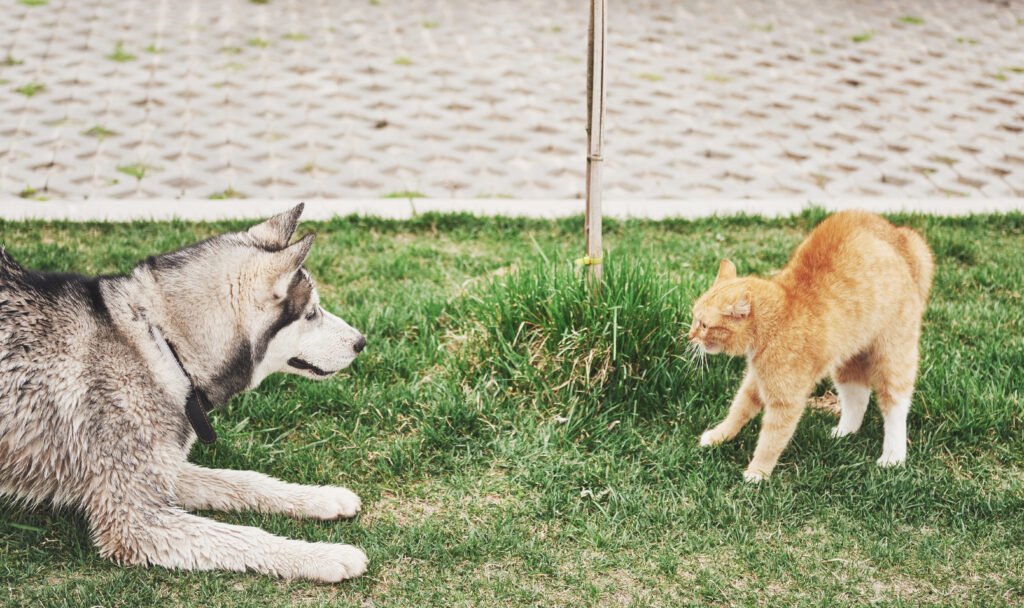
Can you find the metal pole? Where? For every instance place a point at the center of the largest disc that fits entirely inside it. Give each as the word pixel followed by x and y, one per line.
pixel 595 120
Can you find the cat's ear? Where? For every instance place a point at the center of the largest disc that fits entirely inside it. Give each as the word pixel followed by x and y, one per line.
pixel 740 308
pixel 726 271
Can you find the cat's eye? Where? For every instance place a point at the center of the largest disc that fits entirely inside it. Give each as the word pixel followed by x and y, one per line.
pixel 703 325
pixel 311 315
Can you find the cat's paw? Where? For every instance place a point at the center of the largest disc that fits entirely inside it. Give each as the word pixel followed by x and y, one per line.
pixel 712 437
pixel 841 431
pixel 753 476
pixel 892 458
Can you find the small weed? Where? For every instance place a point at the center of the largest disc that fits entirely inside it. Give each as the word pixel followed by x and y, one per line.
pixel 296 36
pixel 10 61
pixel 556 28
pixel 859 38
pixel 374 2
pixel 258 42
pixel 911 19
pixel 226 194
pixel 405 194
pixel 152 48
pixel 99 132
pixel 260 1
pixel 137 170
pixel 231 50
pixel 120 55
pixel 762 27
pixel 430 25
pixel 33 2
pixel 403 61
pixel 715 77
pixel 963 40
pixel 31 89
pixel 1016 69
pixel 32 194
pixel 650 76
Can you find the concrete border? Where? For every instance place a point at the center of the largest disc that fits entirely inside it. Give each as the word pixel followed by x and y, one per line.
pixel 209 210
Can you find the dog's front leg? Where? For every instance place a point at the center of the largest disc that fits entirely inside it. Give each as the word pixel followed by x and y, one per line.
pixel 225 490
pixel 169 537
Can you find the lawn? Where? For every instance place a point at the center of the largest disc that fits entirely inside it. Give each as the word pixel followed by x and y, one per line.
pixel 517 442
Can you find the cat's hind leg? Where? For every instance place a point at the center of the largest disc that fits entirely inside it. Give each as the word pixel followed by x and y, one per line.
pixel 893 371
pixel 745 406
pixel 852 383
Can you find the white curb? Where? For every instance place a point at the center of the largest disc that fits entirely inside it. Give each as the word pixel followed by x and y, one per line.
pixel 209 210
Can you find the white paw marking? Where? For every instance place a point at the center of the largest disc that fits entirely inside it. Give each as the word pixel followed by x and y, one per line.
pixel 841 431
pixel 753 476
pixel 333 563
pixel 331 502
pixel 892 458
pixel 708 438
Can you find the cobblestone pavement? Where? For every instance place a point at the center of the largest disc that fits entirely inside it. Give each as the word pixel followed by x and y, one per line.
pixel 301 99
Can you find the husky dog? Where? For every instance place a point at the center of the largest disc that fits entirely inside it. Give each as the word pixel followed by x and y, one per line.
pixel 105 383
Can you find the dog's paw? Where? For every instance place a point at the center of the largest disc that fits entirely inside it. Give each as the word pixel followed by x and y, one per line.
pixel 330 563
pixel 332 502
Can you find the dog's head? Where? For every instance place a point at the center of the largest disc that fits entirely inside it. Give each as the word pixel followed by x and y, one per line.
pixel 242 306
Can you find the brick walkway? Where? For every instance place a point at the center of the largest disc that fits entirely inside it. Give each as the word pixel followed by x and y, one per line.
pixel 297 99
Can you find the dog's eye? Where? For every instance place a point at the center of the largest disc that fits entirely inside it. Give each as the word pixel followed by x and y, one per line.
pixel 311 315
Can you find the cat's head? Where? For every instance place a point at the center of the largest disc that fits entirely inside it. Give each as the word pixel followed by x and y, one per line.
pixel 723 315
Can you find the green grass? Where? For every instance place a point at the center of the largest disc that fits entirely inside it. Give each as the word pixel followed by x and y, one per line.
pixel 226 194
pixel 405 194
pixel 520 442
pixel 136 170
pixel 99 132
pixel 31 89
pixel 120 55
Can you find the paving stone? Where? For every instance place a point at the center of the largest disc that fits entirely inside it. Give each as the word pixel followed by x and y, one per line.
pixel 292 99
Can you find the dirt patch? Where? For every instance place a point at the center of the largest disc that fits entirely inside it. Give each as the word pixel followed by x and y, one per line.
pixel 829 403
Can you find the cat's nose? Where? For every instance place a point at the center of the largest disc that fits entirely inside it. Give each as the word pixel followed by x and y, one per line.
pixel 360 344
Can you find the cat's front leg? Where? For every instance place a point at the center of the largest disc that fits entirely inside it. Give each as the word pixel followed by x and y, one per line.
pixel 777 427
pixel 745 406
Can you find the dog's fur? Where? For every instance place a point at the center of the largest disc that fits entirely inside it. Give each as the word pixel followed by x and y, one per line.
pixel 92 403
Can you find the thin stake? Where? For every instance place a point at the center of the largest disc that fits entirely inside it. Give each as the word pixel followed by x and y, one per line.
pixel 595 120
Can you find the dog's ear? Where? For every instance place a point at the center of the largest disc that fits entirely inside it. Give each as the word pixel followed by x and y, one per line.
pixel 278 230
pixel 726 271
pixel 288 261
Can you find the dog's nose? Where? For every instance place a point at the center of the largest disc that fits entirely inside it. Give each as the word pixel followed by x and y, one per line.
pixel 360 344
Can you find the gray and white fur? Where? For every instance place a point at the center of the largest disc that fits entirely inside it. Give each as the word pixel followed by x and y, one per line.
pixel 92 400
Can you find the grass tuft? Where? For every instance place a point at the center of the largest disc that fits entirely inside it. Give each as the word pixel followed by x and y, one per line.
pixel 546 336
pixel 31 89
pixel 120 55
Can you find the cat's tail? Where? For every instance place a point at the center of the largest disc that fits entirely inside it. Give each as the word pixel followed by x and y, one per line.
pixel 919 257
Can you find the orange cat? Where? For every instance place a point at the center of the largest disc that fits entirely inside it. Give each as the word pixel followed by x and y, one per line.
pixel 848 304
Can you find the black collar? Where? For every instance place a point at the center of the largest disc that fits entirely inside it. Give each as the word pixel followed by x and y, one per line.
pixel 196 404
